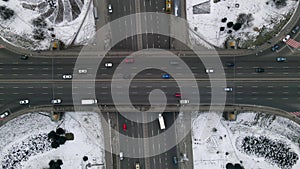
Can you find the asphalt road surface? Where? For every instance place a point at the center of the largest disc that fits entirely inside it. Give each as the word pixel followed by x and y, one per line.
pixel 39 80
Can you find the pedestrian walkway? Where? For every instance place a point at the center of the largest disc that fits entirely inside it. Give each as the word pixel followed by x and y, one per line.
pixel 295 113
pixel 293 43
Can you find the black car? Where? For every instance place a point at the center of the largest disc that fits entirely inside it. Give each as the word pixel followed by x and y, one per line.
pixel 24 57
pixel 229 64
pixel 259 70
pixel 295 29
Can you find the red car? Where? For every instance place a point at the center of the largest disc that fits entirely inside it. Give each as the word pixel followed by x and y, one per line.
pixel 124 127
pixel 177 94
pixel 129 60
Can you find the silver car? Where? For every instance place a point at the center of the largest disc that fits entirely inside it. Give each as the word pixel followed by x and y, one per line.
pixel 67 76
pixel 228 89
pixel 56 101
pixel 3 115
pixel 24 102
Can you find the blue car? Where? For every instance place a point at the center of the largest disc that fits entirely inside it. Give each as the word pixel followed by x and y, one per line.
pixel 166 76
pixel 275 47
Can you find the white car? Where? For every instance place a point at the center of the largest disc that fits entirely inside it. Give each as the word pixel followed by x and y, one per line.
pixel 108 64
pixel 121 156
pixel 228 89
pixel 286 38
pixel 82 71
pixel 23 102
pixel 67 76
pixel 3 115
pixel 109 8
pixel 209 70
pixel 55 101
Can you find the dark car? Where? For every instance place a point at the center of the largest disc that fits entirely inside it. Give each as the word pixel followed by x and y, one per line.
pixel 175 161
pixel 229 64
pixel 295 29
pixel 259 70
pixel 275 47
pixel 281 59
pixel 24 57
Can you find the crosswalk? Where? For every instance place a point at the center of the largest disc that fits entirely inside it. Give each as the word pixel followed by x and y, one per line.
pixel 293 43
pixel 295 113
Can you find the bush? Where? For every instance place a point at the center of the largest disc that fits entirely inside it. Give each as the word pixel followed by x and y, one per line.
pixel 60 131
pixel 39 22
pixel 54 144
pixel 62 140
pixel 6 13
pixel 237 26
pixel 51 135
pixel 38 34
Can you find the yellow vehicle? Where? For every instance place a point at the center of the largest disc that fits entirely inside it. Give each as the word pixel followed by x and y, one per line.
pixel 168 6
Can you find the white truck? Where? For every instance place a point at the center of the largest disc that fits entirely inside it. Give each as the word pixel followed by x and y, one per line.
pixel 89 101
pixel 161 122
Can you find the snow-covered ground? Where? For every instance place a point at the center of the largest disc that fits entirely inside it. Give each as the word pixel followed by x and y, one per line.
pixel 24 139
pixel 206 16
pixel 214 148
pixel 65 17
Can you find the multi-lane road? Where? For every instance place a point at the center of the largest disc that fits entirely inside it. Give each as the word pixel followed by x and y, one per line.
pixel 40 80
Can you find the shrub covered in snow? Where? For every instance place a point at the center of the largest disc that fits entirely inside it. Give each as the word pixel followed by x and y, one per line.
pixel 6 13
pixel 273 151
pixel 29 147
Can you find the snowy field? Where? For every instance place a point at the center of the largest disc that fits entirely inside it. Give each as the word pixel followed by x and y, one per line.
pixel 255 141
pixel 24 143
pixel 64 16
pixel 205 18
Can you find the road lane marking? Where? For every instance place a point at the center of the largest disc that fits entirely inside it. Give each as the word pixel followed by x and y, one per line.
pixel 285 86
pixel 270 92
pixel 148 86
pixel 45 87
pixel 269 98
pixel 30 87
pixel 285 92
pixel 29 74
pixel 15 87
pixel 30 68
pixel 254 80
pixel 286 73
pixel 45 68
pixel 16 93
pixel 270 86
pixel 254 86
pixel 285 98
pixel 239 92
pixel 15 68
pixel 60 87
pixel 44 93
